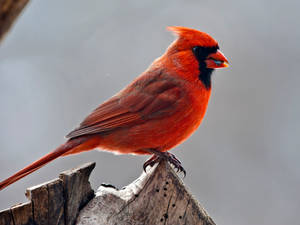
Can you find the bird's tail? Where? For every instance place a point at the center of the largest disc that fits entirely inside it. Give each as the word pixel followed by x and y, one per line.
pixel 61 150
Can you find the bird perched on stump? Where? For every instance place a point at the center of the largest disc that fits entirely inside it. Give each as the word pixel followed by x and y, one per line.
pixel 160 109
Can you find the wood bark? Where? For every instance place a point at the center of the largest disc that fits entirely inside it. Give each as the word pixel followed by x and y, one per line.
pixel 78 190
pixel 156 197
pixel 9 11
pixel 55 202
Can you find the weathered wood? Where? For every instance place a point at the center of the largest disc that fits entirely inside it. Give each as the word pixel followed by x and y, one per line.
pixel 39 198
pixel 9 11
pixel 22 214
pixel 6 217
pixel 77 190
pixel 56 202
pixel 158 197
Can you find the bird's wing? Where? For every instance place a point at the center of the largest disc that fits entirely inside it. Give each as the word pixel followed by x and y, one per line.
pixel 145 99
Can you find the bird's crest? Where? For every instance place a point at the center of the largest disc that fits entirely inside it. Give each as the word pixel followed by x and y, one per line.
pixel 193 37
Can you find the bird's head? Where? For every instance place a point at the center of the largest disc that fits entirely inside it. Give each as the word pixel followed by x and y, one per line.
pixel 196 54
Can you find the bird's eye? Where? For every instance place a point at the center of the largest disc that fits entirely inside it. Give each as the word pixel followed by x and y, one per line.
pixel 197 51
pixel 202 52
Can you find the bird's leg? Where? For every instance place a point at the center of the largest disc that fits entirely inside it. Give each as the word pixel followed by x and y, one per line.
pixel 158 155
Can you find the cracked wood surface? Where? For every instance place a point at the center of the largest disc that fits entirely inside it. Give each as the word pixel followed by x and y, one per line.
pixel 9 11
pixel 156 197
pixel 55 202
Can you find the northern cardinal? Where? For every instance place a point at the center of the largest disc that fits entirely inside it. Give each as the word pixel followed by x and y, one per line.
pixel 160 109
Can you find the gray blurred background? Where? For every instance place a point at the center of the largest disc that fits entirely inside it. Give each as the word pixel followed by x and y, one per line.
pixel 63 58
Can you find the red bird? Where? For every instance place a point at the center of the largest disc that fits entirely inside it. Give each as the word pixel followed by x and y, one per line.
pixel 160 109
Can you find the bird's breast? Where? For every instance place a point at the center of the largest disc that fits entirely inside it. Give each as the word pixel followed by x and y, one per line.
pixel 191 116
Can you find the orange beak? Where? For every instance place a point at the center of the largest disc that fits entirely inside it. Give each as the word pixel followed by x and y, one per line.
pixel 216 60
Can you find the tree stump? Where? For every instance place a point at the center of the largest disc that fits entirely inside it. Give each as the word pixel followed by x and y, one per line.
pixel 156 197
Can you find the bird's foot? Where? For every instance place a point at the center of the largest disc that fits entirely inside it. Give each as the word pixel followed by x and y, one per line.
pixel 158 156
pixel 171 158
pixel 151 162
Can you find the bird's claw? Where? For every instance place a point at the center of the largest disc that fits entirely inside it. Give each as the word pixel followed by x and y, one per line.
pixel 169 157
pixel 176 163
pixel 151 162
